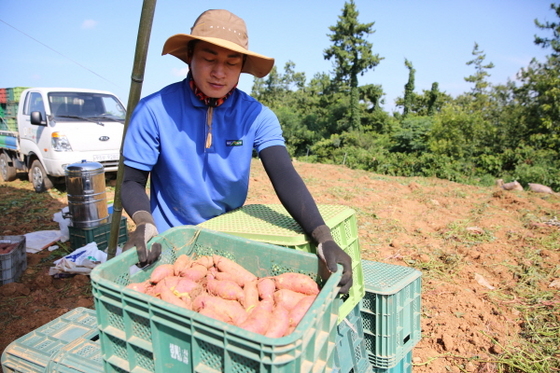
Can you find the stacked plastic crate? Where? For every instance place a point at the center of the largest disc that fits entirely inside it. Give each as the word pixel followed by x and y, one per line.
pixel 68 344
pixel 100 235
pixel 13 258
pixel 9 102
pixel 390 313
pixel 379 321
pixel 271 223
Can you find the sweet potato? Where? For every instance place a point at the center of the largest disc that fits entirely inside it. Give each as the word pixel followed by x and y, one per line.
pixel 297 282
pixel 241 274
pixel 225 276
pixel 297 313
pixel 160 272
pixel 259 318
pixel 251 295
pixel 266 287
pixel 280 322
pixel 287 298
pixel 215 314
pixel 205 260
pixel 185 286
pixel 168 296
pixel 224 289
pixel 140 286
pixel 201 301
pixel 196 272
pixel 168 283
pixel 229 311
pixel 182 262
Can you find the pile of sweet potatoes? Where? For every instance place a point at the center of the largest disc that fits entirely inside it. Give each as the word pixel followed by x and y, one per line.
pixel 220 288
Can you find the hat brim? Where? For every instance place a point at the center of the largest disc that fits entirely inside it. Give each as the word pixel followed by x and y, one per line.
pixel 255 64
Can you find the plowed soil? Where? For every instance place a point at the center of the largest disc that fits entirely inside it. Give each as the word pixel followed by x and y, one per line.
pixel 471 244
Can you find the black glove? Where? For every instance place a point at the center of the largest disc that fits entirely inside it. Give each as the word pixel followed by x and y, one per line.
pixel 332 254
pixel 145 230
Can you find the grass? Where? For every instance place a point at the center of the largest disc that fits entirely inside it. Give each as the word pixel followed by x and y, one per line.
pixel 539 342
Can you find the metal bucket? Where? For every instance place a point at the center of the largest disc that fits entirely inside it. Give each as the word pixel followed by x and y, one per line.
pixel 87 200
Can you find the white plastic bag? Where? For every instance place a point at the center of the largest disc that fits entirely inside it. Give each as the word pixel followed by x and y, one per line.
pixel 80 261
pixel 63 223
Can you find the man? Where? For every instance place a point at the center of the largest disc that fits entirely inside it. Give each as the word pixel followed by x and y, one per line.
pixel 195 141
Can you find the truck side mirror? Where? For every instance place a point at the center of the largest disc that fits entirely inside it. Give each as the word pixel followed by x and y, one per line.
pixel 37 118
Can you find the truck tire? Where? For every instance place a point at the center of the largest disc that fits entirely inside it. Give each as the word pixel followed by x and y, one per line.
pixel 9 173
pixel 39 178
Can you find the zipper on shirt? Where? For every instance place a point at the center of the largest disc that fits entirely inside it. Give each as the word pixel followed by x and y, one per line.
pixel 209 113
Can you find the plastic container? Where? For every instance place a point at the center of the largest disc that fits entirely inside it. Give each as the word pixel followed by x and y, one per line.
pixel 390 312
pixel 273 224
pixel 14 262
pixel 403 366
pixel 140 333
pixel 351 354
pixel 80 237
pixel 35 351
pixel 83 355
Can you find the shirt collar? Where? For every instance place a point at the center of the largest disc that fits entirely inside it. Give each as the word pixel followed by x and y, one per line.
pixel 208 101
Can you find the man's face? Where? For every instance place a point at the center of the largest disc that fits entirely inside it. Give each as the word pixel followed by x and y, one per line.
pixel 215 69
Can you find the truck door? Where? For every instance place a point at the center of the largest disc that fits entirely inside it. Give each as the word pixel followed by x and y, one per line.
pixel 32 133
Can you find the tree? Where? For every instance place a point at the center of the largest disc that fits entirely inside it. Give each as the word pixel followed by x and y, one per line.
pixel 408 88
pixel 539 91
pixel 352 54
pixel 479 78
pixel 553 42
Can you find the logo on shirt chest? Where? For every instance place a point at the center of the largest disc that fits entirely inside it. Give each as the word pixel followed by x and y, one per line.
pixel 234 142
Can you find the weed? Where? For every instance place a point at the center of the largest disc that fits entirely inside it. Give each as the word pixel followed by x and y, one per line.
pixel 465 235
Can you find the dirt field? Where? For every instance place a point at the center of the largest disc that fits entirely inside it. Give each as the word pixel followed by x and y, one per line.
pixel 472 245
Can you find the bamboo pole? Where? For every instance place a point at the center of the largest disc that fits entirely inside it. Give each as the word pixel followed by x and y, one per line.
pixel 137 78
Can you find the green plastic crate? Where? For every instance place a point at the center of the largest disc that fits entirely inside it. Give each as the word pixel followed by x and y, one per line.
pixel 11 124
pixel 37 350
pixel 390 312
pixel 140 333
pixel 83 355
pixel 13 264
pixel 403 366
pixel 273 224
pixel 351 354
pixel 14 94
pixel 80 237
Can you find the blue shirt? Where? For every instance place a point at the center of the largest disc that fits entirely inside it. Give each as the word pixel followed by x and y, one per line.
pixel 190 183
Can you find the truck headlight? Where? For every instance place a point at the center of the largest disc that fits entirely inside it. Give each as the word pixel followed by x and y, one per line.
pixel 60 142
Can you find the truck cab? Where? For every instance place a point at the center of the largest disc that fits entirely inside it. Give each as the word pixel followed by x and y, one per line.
pixel 61 126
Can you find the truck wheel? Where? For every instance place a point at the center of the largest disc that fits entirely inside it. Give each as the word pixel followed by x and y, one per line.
pixel 9 173
pixel 39 178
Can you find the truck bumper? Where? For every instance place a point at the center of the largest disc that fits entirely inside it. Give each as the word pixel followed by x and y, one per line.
pixel 56 167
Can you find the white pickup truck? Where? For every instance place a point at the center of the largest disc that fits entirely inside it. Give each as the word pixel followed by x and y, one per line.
pixel 42 130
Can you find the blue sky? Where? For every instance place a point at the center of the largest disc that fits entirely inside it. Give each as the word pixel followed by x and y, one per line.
pixel 91 44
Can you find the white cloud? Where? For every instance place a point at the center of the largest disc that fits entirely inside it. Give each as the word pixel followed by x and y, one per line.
pixel 89 24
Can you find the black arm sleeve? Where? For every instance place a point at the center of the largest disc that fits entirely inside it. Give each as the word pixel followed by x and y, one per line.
pixel 133 191
pixel 290 188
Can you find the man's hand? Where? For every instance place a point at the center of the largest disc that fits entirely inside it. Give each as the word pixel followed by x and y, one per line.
pixel 332 254
pixel 144 232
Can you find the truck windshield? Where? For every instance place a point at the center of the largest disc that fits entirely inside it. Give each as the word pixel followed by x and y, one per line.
pixel 86 105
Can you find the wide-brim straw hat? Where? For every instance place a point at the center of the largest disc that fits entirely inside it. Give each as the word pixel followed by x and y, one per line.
pixel 224 29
